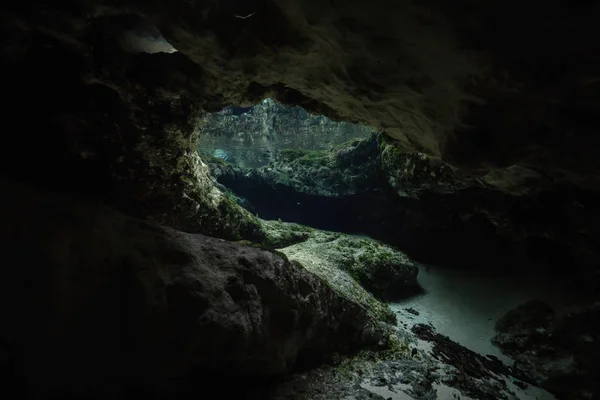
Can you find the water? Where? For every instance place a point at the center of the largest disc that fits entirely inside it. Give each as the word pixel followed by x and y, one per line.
pixel 465 304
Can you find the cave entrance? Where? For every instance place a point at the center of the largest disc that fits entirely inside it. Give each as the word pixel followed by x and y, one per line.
pixel 283 163
pixel 253 137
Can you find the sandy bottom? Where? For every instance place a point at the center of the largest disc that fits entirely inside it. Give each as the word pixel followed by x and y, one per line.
pixel 465 305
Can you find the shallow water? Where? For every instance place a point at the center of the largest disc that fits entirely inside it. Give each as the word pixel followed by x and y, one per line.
pixel 465 305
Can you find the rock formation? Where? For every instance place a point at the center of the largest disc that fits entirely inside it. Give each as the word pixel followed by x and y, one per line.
pixel 252 137
pixel 559 352
pixel 382 270
pixel 95 302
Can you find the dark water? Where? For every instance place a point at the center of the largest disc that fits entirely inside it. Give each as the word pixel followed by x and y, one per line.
pixel 414 226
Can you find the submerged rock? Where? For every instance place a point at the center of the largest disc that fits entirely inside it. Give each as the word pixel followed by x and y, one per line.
pixel 281 234
pixel 346 170
pixel 385 272
pixel 412 174
pixel 560 352
pixel 252 137
pixel 108 300
pixel 424 365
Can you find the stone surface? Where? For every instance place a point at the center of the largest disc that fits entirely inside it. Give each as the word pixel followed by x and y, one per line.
pixel 119 131
pixel 106 300
pixel 412 174
pixel 367 165
pixel 348 169
pixel 423 366
pixel 560 352
pixel 382 270
pixel 282 234
pixel 483 85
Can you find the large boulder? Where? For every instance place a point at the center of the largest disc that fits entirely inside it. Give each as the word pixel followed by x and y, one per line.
pixel 94 299
pixel 383 271
pixel 559 351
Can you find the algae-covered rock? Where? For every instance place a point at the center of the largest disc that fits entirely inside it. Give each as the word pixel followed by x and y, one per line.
pixel 279 234
pixel 251 137
pixel 348 169
pixel 342 283
pixel 382 270
pixel 412 174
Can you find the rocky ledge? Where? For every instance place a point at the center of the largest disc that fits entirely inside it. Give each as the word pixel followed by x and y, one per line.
pixel 558 351
pixel 108 301
pixel 385 272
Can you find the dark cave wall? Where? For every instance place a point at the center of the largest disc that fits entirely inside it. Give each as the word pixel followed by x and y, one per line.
pixel 108 123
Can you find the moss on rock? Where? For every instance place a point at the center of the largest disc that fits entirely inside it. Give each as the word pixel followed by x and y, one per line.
pixel 411 173
pixel 306 157
pixel 279 234
pixel 346 264
pixel 348 169
pixel 382 270
pixel 343 284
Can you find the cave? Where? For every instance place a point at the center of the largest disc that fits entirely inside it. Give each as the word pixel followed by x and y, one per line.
pixel 284 199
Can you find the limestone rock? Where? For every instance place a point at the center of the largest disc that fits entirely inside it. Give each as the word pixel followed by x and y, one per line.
pixel 253 137
pixel 459 80
pixel 346 170
pixel 107 300
pixel 281 234
pixel 412 174
pixel 558 351
pixel 383 271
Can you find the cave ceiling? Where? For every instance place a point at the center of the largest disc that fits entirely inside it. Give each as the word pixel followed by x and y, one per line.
pixel 482 85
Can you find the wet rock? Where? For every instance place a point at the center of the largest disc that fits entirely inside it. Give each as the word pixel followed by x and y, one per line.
pixel 413 174
pixel 108 300
pixel 557 351
pixel 476 376
pixel 279 234
pixel 382 270
pixel 349 169
pixel 516 327
pixel 409 372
